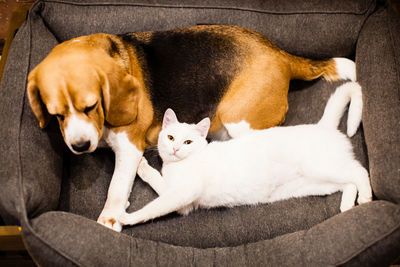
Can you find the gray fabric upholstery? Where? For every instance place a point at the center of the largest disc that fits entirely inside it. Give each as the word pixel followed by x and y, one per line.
pixel 378 71
pixel 312 28
pixel 57 196
pixel 332 242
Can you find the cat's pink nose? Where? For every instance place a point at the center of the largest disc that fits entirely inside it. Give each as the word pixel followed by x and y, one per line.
pixel 176 150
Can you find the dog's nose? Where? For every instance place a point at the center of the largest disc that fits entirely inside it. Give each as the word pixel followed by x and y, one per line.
pixel 81 146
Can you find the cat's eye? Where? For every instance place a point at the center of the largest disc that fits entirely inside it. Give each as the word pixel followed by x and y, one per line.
pixel 188 142
pixel 170 137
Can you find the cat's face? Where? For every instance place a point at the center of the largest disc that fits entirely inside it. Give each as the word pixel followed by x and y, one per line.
pixel 177 141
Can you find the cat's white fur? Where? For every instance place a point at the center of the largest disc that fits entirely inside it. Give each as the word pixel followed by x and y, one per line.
pixel 258 167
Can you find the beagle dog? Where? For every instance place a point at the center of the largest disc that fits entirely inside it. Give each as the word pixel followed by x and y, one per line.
pixel 117 87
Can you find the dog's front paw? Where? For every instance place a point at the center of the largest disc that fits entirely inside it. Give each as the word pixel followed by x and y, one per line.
pixel 110 219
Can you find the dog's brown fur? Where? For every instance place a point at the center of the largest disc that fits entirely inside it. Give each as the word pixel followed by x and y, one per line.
pixel 126 82
pixel 85 66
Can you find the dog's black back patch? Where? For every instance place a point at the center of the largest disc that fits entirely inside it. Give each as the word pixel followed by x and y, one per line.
pixel 188 71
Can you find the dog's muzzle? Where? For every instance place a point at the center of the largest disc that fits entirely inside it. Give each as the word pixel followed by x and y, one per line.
pixel 81 147
pixel 81 136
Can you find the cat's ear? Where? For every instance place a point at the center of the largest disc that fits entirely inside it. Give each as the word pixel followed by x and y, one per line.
pixel 169 117
pixel 203 126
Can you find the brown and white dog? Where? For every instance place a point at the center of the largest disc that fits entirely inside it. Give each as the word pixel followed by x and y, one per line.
pixel 117 87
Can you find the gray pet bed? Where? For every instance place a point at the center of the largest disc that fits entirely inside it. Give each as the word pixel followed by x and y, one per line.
pixel 57 196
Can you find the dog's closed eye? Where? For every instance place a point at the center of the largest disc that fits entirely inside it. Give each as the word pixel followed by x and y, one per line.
pixel 61 117
pixel 89 108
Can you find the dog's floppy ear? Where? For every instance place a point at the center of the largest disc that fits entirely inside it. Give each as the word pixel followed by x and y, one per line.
pixel 37 105
pixel 120 95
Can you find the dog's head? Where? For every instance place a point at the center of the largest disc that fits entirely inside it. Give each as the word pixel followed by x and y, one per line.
pixel 81 84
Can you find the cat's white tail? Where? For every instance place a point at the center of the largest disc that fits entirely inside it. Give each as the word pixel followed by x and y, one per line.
pixel 348 92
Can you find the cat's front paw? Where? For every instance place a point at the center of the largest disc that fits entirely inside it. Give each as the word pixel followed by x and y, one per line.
pixel 128 218
pixel 142 168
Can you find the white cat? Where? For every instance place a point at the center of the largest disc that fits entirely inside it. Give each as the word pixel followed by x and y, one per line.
pixel 260 167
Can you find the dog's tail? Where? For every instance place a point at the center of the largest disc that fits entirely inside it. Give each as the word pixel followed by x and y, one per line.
pixel 333 69
pixel 348 92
